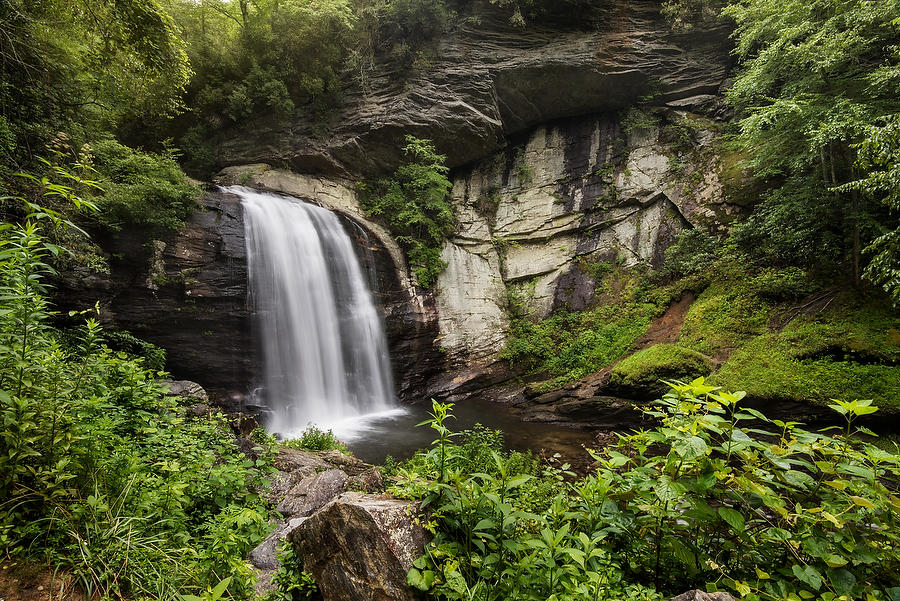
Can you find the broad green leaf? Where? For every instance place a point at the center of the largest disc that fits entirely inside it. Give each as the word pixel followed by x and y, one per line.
pixel 733 518
pixel 808 575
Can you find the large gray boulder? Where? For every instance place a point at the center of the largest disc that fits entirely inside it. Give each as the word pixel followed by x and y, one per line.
pixel 360 547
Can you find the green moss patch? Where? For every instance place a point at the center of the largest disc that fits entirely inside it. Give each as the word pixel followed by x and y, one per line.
pixel 846 353
pixel 640 374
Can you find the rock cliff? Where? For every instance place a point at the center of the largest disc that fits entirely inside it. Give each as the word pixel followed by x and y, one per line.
pixel 488 81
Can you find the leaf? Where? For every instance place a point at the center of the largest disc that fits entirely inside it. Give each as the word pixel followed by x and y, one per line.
pixel 420 579
pixel 808 575
pixel 733 518
pixel 220 588
pixel 862 502
pixel 842 580
pixel 690 448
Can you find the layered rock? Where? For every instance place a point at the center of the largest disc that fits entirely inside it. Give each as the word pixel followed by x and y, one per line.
pixel 533 219
pixel 487 81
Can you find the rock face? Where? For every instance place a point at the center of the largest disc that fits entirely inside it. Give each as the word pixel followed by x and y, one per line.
pixel 185 292
pixel 489 81
pixel 360 547
pixel 533 220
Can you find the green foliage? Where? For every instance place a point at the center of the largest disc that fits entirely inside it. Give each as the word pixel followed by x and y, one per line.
pixel 100 472
pixel 815 77
pixel 291 582
pixel 85 66
pixel 140 188
pixel 123 340
pixel 692 252
pixel 570 345
pixel 416 205
pixel 685 15
pixel 716 495
pixel 314 439
pixel 878 159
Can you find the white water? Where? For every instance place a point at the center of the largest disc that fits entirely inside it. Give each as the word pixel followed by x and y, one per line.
pixel 325 359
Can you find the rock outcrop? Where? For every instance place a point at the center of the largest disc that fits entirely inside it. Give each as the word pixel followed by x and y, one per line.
pixel 488 81
pixel 548 180
pixel 533 219
pixel 357 545
pixel 360 547
pixel 184 291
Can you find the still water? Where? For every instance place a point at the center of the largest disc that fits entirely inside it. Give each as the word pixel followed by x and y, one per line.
pixel 395 433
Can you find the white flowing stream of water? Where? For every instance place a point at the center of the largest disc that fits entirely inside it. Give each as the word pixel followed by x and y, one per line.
pixel 325 359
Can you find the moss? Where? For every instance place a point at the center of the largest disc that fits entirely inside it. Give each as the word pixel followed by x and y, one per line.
pixel 847 352
pixel 725 315
pixel 640 374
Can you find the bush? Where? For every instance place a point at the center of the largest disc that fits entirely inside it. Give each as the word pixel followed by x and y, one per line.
pixel 716 496
pixel 314 439
pixel 692 252
pixel 141 189
pixel 415 203
pixel 101 475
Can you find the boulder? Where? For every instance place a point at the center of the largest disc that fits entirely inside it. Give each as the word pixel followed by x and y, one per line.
pixel 187 390
pixel 312 493
pixel 360 547
pixel 698 595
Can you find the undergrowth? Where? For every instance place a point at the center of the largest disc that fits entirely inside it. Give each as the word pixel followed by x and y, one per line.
pixel 102 475
pixel 716 496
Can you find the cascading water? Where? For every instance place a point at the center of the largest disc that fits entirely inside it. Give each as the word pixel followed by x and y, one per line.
pixel 323 348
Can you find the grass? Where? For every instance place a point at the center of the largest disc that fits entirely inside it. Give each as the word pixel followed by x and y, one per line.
pixel 314 439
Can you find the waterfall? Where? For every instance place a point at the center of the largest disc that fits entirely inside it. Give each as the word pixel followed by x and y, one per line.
pixel 324 353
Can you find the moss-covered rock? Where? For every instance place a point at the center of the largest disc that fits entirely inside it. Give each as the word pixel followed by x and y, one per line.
pixel 847 353
pixel 640 375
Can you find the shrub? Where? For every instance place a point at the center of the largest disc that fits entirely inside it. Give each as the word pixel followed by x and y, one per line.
pixel 141 189
pixel 100 472
pixel 715 496
pixel 415 203
pixel 314 439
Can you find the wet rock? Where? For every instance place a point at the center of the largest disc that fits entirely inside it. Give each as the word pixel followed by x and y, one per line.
pixel 360 547
pixel 185 291
pixel 347 463
pixel 312 493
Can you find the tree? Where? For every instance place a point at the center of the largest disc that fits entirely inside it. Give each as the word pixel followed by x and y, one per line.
pixel 807 93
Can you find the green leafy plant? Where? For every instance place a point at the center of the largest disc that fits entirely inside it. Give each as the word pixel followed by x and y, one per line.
pixel 415 203
pixel 314 439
